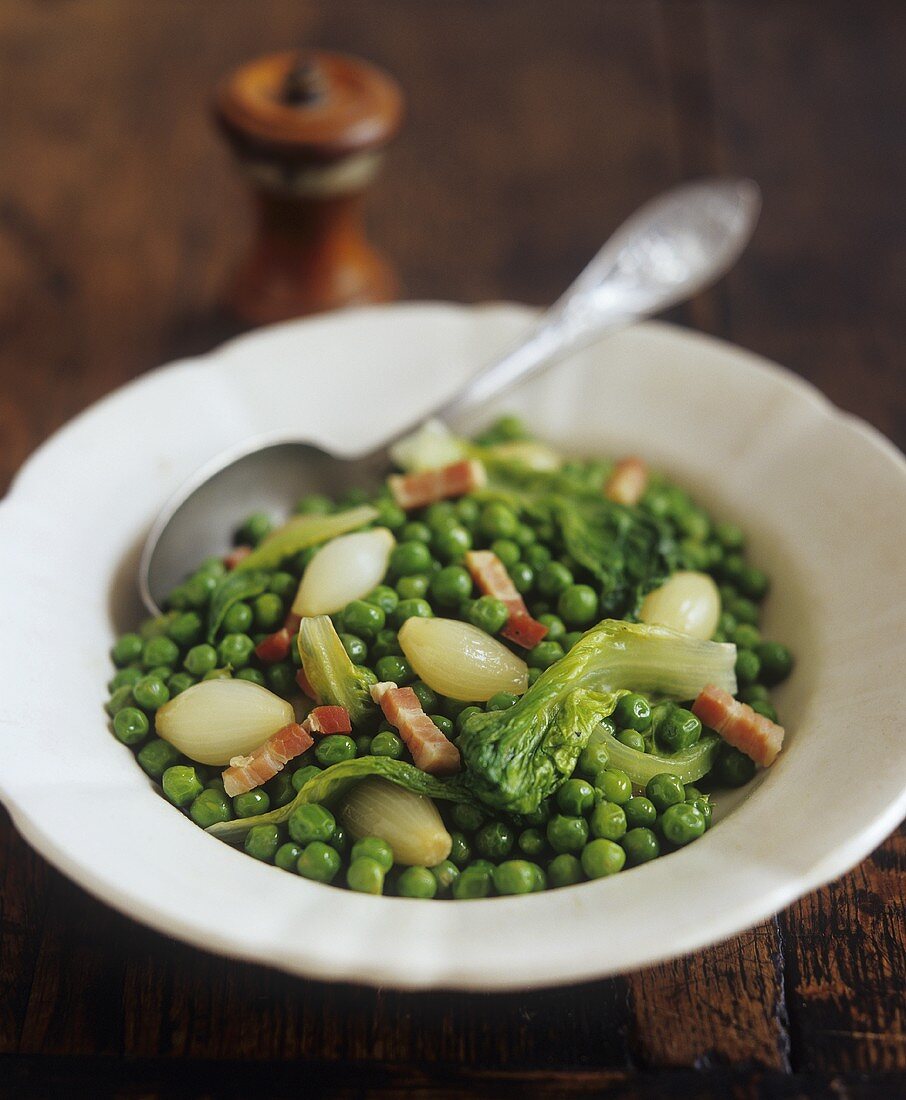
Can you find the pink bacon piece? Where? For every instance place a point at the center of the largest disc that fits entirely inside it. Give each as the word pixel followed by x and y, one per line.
pixel 427 486
pixel 276 647
pixel 236 556
pixel 628 482
pixel 490 574
pixel 431 751
pixel 247 772
pixel 327 720
pixel 745 729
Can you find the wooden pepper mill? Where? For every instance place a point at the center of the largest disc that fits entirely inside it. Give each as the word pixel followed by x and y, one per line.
pixel 308 130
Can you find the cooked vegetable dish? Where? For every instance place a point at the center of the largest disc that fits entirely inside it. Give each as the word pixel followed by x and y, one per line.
pixel 505 672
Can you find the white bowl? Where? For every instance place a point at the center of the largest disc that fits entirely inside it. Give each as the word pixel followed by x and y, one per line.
pixel 822 496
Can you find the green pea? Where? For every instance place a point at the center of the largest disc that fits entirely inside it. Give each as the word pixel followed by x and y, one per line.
pixel 632 739
pixel 126 677
pixel 575 797
pixel 640 845
pixel 255 528
pixel 262 842
pixel 776 662
pixel 729 536
pixel 176 599
pixel 302 775
pixel 235 650
pixel 567 834
pixel 678 730
pixel 704 807
pixel 159 651
pixel 754 692
pixel 150 693
pixel 339 840
pixel 507 550
pixel 181 784
pixel 602 857
pixel 762 706
pixel 497 521
pixel 445 874
pixel 160 672
pixel 466 817
pixel 733 768
pixel 488 614
pixel 281 678
pixel 126 649
pixel 387 744
pixel 355 647
pixel 408 558
pixel 311 821
pixel 416 882
pixel 200 659
pixel 467 511
pixel 544 654
pixel 474 882
pixel 744 610
pixel 554 579
pixel 251 803
pixel 315 504
pixel 287 856
pixel 523 576
pixel 280 790
pixel 501 700
pixel 615 785
pixel 372 847
pixel 210 807
pixel 441 515
pixel 494 840
pixel 320 862
pixel 394 669
pixel 515 876
pixel 130 726
pixel 682 823
pixel 593 758
pixel 428 697
pixel 460 849
pixel 179 682
pixel 633 712
pixel 578 605
pixel 363 619
pixel 639 812
pixel 363 744
pixel 450 585
pixel 451 543
pixel 556 631
pixel 334 749
pixel 747 666
pixel 564 870
pixel 267 611
pixel 198 590
pixel 531 842
pixel 389 515
pixel 156 756
pixel 186 629
pixel 411 609
pixel 385 645
pixel 416 532
pixel 541 816
pixel 608 820
pixel 383 597
pixel 746 636
pixel 664 790
pixel 444 725
pixel 253 675
pixel 537 556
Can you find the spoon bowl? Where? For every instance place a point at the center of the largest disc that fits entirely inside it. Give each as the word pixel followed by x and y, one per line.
pixel 671 248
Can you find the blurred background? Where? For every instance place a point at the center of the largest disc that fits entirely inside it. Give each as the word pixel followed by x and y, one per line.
pixel 532 128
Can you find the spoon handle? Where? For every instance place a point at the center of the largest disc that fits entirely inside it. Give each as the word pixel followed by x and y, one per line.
pixel 668 250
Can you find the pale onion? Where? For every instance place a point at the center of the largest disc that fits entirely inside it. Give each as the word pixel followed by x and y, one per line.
pixel 409 822
pixel 345 569
pixel 428 447
pixel 458 660
pixel 215 720
pixel 688 602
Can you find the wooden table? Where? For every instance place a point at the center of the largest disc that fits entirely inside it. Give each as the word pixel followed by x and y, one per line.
pixel 533 127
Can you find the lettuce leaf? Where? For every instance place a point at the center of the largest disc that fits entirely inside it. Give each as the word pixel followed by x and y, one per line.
pixel 513 759
pixel 231 589
pixel 333 781
pixel 335 679
pixel 300 532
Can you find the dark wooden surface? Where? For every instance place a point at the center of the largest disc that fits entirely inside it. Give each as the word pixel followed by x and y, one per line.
pixel 533 127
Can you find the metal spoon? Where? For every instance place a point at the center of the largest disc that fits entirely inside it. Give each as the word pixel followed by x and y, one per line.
pixel 667 251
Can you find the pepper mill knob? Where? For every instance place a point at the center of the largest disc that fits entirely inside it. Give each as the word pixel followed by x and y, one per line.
pixel 308 129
